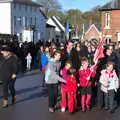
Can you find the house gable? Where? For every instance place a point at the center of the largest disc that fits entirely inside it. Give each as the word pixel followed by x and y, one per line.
pixel 92 29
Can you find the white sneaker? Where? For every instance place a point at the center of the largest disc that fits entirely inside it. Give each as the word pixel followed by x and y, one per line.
pixel 62 109
pixel 51 110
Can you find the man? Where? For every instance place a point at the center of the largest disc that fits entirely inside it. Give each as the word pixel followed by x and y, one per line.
pixel 70 54
pixel 8 71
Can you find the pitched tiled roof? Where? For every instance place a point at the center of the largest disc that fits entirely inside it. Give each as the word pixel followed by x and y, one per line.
pixel 112 5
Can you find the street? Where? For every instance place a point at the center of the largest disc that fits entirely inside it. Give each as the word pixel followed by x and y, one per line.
pixel 32 104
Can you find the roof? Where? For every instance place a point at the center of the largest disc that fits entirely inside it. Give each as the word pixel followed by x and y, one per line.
pixel 50 22
pixel 42 12
pixel 87 27
pixel 29 2
pixel 112 5
pixel 57 22
pixel 95 26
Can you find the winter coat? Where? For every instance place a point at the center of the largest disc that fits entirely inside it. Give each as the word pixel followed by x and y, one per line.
pixel 83 77
pixel 73 56
pixel 64 74
pixel 104 78
pixel 44 60
pixel 51 75
pixel 71 84
pixel 8 68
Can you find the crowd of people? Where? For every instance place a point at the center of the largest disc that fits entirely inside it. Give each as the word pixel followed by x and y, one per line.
pixel 69 66
pixel 82 81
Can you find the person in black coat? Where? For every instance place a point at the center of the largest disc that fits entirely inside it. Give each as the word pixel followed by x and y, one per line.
pixel 8 71
pixel 70 54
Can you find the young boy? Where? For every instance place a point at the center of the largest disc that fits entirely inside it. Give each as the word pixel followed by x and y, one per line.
pixel 51 79
pixel 86 84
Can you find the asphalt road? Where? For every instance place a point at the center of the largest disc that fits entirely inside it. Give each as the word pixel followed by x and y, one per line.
pixel 32 104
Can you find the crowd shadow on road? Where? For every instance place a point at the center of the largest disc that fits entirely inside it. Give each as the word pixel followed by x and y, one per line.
pixel 30 93
pixel 34 95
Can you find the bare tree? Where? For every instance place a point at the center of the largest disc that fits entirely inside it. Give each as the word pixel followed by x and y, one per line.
pixel 49 5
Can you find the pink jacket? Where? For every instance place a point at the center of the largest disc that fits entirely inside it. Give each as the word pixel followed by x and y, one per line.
pixel 104 80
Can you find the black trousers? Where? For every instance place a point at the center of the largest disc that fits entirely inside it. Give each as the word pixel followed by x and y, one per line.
pixel 8 85
pixel 52 94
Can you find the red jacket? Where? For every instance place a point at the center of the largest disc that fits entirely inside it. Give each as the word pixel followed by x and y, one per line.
pixel 64 74
pixel 71 85
pixel 83 77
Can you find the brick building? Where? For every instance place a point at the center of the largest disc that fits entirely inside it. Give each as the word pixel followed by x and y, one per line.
pixel 93 33
pixel 110 15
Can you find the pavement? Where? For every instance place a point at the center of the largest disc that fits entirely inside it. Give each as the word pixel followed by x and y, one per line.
pixel 32 104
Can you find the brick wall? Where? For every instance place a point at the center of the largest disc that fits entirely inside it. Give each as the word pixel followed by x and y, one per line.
pixel 114 24
pixel 92 34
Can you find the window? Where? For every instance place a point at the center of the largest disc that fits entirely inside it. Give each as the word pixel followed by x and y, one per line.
pixel 19 6
pixel 14 20
pixel 36 20
pixel 14 5
pixel 30 20
pixel 107 20
pixel 26 7
pixel 25 21
pixel 20 21
pixel 30 8
pixel 118 36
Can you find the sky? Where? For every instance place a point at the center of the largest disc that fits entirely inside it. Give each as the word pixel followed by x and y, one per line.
pixel 83 5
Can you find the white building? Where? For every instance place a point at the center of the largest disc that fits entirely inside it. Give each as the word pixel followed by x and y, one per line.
pixel 55 30
pixel 23 18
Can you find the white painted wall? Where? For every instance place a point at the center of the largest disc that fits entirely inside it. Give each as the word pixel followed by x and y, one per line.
pixel 5 18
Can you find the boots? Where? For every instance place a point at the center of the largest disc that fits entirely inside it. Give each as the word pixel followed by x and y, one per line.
pixel 13 99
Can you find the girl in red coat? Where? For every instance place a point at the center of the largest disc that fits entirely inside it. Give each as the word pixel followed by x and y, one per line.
pixel 64 74
pixel 71 87
pixel 86 90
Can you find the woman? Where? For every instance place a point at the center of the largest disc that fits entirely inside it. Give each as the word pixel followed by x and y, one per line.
pixel 8 72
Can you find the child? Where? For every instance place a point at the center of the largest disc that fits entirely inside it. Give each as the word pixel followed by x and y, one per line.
pixel 109 85
pixel 44 61
pixel 71 87
pixel 86 85
pixel 51 79
pixel 64 74
pixel 29 60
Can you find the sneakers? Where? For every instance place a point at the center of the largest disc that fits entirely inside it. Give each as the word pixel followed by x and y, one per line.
pixel 62 109
pixel 51 110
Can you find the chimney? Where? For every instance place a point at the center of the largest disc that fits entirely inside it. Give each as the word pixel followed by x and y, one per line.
pixel 113 3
